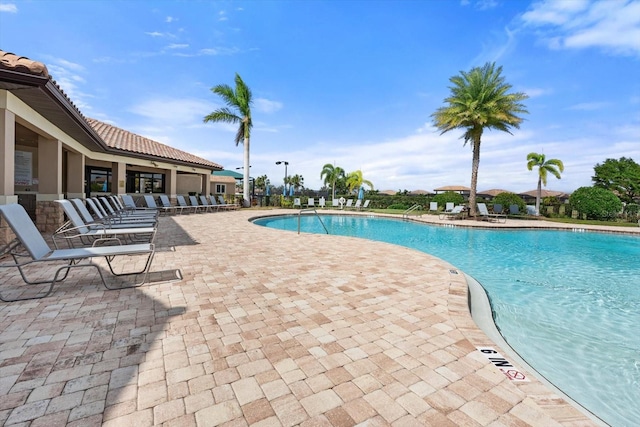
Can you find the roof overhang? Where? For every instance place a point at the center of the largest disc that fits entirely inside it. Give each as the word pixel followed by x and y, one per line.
pixel 47 99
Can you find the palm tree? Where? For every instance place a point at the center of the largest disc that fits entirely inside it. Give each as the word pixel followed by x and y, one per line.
pixel 479 101
pixel 262 182
pixel 355 181
pixel 552 166
pixel 297 181
pixel 331 174
pixel 237 111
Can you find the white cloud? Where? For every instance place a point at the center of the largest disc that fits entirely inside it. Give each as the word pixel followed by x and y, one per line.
pixel 178 112
pixel 169 19
pixel 535 92
pixel 266 106
pixel 8 7
pixel 554 12
pixel 178 46
pixel 68 76
pixel 155 34
pixel 589 106
pixel 613 26
pixel 219 51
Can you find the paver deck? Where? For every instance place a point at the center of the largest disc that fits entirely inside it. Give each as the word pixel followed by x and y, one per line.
pixel 265 328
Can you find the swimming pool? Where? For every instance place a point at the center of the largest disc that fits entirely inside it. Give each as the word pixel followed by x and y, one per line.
pixel 568 303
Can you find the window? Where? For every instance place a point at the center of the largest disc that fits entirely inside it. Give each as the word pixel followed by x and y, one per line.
pixel 99 180
pixel 221 188
pixel 145 182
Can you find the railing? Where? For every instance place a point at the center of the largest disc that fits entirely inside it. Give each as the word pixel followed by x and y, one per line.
pixel 413 208
pixel 317 216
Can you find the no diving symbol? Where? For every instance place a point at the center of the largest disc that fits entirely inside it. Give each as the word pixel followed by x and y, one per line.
pixel 512 374
pixel 504 365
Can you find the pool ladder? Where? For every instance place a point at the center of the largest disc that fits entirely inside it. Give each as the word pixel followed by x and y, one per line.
pixel 413 208
pixel 317 216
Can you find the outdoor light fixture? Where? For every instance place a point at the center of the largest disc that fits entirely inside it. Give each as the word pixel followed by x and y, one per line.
pixel 284 186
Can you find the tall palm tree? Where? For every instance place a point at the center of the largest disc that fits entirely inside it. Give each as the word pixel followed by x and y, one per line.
pixel 479 101
pixel 355 181
pixel 552 166
pixel 296 181
pixel 237 111
pixel 331 174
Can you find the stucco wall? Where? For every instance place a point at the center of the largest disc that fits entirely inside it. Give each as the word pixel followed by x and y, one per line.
pixel 187 183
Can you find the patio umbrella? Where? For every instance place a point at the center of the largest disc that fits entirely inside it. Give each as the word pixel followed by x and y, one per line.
pixel 268 191
pixel 361 193
pixel 291 190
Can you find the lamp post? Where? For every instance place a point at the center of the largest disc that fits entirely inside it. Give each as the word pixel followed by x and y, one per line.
pixel 284 185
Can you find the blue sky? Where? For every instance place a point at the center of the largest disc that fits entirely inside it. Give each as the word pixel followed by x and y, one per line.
pixel 353 83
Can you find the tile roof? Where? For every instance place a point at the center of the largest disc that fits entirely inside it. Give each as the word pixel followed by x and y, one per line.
pixel 123 140
pixel 544 193
pixel 22 64
pixel 452 188
pixel 116 138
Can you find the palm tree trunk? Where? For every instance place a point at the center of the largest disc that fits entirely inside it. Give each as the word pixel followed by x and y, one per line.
pixel 475 165
pixel 247 171
pixel 538 196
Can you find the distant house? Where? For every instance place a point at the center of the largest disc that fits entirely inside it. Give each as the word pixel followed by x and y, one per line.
pixel 49 150
pixel 225 181
pixel 530 196
pixel 455 188
pixel 490 194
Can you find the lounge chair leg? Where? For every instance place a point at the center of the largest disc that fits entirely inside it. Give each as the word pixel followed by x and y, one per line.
pixel 144 271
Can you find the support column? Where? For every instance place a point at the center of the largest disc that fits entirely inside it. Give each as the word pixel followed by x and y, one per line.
pixel 7 168
pixel 7 159
pixel 206 181
pixel 170 184
pixel 118 178
pixel 49 215
pixel 75 175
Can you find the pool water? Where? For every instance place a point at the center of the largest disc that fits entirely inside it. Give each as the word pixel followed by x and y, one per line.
pixel 567 302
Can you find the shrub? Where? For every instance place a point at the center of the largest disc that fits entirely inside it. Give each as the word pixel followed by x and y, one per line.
pixel 508 199
pixel 448 196
pixel 595 203
pixel 397 206
pixel 632 209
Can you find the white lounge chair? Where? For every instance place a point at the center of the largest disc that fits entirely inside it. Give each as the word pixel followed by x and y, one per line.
pixel 358 204
pixel 166 204
pixel 114 210
pixel 75 230
pixel 349 204
pixel 485 215
pixel 209 207
pixel 80 206
pixel 223 203
pixel 30 244
pixel 311 202
pixel 365 205
pixel 128 205
pixel 433 206
pixel 151 203
pixel 335 203
pixel 322 202
pixel 456 213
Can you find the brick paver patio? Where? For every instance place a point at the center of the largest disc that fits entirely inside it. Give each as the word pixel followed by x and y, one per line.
pixel 265 328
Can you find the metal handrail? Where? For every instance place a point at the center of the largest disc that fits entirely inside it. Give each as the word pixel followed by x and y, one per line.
pixel 318 216
pixel 406 213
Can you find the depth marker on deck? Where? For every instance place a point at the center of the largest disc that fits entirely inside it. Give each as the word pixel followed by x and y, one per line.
pixel 506 367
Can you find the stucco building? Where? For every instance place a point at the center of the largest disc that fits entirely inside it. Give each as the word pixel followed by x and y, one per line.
pixel 49 150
